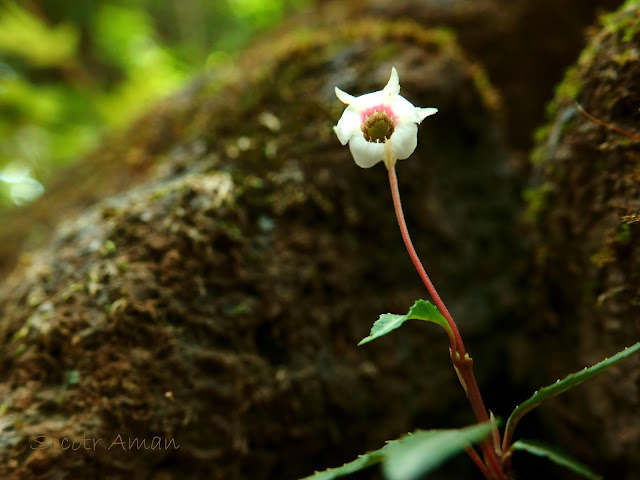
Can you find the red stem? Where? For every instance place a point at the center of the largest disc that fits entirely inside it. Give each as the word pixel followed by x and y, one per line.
pixel 478 461
pixel 461 360
pixel 457 345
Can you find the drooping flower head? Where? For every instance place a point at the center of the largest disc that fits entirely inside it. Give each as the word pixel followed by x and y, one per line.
pixel 380 126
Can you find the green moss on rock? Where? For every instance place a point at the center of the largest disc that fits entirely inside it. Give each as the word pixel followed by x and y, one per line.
pixel 589 277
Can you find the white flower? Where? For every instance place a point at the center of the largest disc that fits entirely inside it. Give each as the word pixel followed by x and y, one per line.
pixel 381 125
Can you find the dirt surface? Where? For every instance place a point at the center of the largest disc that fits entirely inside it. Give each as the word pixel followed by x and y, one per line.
pixel 218 305
pixel 585 204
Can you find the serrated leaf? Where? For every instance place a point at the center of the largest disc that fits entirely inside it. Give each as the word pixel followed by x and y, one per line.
pixel 435 446
pixel 559 458
pixel 363 461
pixel 421 310
pixel 562 386
pixel 415 455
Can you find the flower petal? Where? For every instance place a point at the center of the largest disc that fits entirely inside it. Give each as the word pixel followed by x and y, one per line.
pixel 405 116
pixel 403 110
pixel 366 154
pixel 348 125
pixel 344 97
pixel 393 85
pixel 404 140
pixel 369 100
pixel 423 113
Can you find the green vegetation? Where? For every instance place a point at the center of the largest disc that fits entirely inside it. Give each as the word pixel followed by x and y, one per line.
pixel 69 70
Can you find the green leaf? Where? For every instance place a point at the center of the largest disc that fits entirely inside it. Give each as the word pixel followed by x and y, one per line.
pixel 559 458
pixel 363 461
pixel 412 455
pixel 421 310
pixel 562 386
pixel 415 455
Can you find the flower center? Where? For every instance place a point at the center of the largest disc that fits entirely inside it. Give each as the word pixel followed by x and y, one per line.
pixel 378 127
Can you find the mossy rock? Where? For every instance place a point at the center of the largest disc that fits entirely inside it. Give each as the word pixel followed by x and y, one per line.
pixel 524 47
pixel 218 302
pixel 585 210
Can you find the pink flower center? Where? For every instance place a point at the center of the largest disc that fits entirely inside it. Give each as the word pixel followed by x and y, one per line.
pixel 377 124
pixel 378 108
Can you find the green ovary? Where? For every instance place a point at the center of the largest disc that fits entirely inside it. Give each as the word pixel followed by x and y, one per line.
pixel 379 130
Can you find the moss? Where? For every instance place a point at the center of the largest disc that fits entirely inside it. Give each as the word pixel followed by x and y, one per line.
pixel 20 334
pixel 570 88
pixel 567 91
pixel 161 192
pixel 538 154
pixel 589 234
pixel 108 248
pixel 71 290
pixel 626 56
pixel 624 233
pixel 623 22
pixel 536 200
pixel 489 94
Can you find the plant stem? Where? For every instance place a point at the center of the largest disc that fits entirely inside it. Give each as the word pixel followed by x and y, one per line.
pixel 459 356
pixel 457 344
pixel 478 461
pixel 462 363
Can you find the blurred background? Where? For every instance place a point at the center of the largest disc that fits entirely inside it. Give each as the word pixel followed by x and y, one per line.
pixel 71 69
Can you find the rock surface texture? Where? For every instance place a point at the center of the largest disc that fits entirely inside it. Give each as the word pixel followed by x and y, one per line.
pixel 585 204
pixel 218 303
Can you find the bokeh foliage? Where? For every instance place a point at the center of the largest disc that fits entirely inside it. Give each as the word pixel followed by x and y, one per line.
pixel 70 69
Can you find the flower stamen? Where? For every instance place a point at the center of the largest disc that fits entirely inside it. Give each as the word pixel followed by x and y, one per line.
pixel 378 127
